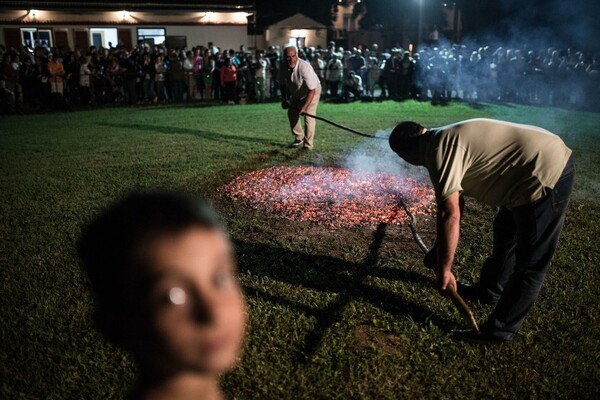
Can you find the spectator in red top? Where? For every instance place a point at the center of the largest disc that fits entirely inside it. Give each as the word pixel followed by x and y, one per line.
pixel 198 61
pixel 228 79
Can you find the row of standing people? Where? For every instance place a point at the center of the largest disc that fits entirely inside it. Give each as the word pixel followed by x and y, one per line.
pixel 43 77
pixel 522 75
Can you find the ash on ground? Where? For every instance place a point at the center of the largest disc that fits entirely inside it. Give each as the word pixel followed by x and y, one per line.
pixel 333 197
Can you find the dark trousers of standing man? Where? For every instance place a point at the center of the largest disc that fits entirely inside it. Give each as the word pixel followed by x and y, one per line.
pixel 525 239
pixel 229 91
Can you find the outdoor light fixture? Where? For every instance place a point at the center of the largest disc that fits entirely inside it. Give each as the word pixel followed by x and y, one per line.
pixel 124 14
pixel 34 13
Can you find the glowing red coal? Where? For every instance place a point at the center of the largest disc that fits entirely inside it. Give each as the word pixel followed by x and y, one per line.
pixel 334 197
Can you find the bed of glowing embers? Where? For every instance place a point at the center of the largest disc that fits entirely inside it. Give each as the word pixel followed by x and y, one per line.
pixel 333 197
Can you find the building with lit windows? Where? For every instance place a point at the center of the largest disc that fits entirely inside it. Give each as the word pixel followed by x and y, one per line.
pixel 347 16
pixel 178 23
pixel 297 30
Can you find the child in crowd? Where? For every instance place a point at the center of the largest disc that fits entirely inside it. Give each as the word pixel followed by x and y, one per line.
pixel 164 278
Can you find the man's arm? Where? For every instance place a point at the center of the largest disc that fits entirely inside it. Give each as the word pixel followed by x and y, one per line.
pixel 448 232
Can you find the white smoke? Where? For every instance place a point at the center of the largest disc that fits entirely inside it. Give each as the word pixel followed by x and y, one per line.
pixel 375 156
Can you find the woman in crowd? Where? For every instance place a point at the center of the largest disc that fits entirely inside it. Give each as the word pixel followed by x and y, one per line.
pixel 85 74
pixel 159 77
pixel 228 74
pixel 188 71
pixel 208 71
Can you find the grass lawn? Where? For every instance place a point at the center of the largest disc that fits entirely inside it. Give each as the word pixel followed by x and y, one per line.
pixel 343 314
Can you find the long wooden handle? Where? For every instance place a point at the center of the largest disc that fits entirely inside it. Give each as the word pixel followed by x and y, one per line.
pixel 463 308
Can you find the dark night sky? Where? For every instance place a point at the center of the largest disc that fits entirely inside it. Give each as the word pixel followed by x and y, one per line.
pixel 574 22
pixel 279 9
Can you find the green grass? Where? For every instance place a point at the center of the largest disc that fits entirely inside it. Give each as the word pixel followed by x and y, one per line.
pixel 333 314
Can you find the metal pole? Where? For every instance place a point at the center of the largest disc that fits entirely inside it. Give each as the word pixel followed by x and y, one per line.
pixel 286 106
pixel 420 33
pixel 456 22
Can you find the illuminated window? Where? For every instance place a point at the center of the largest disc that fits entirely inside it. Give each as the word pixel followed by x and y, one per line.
pixel 32 37
pixel 152 36
pixel 103 37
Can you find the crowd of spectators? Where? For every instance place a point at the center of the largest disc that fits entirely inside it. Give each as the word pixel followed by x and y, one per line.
pixel 41 78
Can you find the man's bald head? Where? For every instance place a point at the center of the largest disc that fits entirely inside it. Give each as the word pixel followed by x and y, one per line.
pixel 404 140
pixel 290 54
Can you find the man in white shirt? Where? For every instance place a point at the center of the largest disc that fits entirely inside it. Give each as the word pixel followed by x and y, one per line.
pixel 352 84
pixel 319 66
pixel 301 89
pixel 212 49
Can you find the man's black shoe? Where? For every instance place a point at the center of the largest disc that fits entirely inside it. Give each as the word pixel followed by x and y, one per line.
pixel 474 293
pixel 471 336
pixel 468 291
pixel 297 143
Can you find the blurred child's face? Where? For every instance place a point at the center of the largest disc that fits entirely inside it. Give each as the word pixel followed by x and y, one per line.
pixel 197 312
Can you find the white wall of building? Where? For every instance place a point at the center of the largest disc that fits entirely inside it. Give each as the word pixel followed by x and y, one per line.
pixel 225 29
pixel 257 42
pixel 126 17
pixel 281 37
pixel 223 36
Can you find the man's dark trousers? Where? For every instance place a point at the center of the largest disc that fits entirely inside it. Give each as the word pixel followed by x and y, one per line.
pixel 525 239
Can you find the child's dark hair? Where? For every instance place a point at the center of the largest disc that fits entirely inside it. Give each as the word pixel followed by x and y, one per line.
pixel 109 247
pixel 405 136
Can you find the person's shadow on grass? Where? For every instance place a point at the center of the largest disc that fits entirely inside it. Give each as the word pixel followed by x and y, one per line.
pixel 175 130
pixel 332 275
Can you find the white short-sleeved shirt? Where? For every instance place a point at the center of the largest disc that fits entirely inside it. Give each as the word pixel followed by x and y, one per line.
pixel 261 68
pixel 300 79
pixel 497 162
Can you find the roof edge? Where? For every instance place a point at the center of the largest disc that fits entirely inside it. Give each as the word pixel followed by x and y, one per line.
pixel 240 5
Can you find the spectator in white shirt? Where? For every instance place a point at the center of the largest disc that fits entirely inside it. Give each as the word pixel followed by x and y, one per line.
pixel 352 84
pixel 260 76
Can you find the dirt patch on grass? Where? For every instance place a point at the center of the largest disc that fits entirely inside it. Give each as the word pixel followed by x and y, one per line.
pixel 349 244
pixel 368 337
